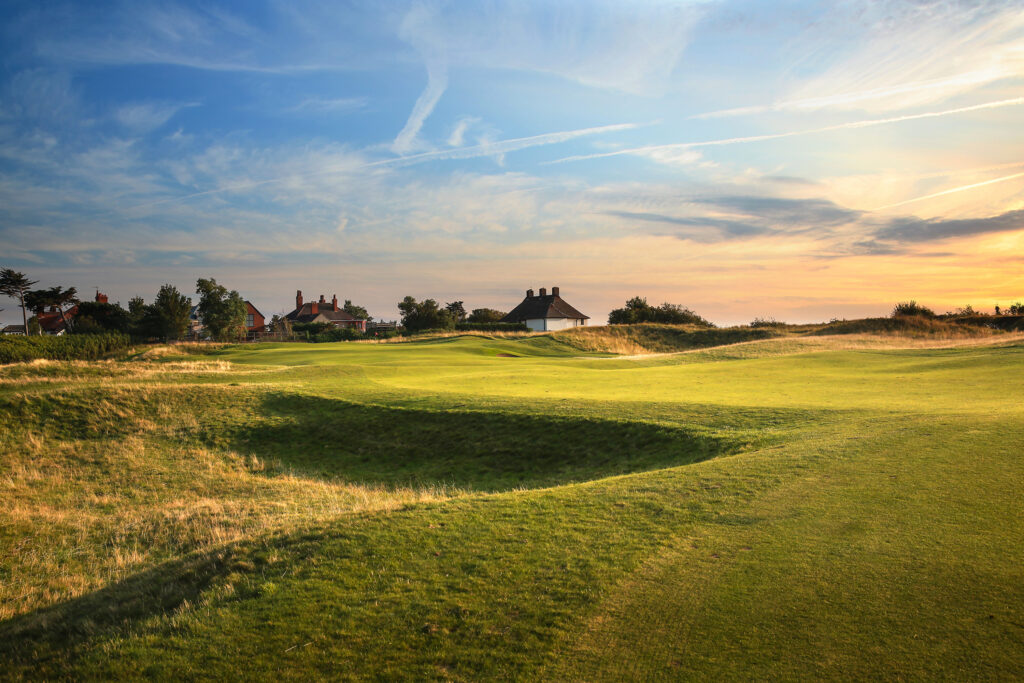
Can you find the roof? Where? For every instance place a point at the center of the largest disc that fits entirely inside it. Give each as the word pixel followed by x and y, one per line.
pixel 548 306
pixel 13 329
pixel 52 322
pixel 305 314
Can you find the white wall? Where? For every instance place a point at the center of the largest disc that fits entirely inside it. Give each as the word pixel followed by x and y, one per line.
pixel 550 324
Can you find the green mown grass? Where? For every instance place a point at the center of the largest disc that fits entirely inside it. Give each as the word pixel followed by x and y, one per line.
pixel 474 508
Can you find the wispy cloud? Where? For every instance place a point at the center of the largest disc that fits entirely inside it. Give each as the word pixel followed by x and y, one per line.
pixel 848 100
pixel 952 190
pixel 486 149
pixel 917 230
pixel 649 149
pixel 458 134
pixel 437 82
pixel 901 55
pixel 331 105
pixel 146 116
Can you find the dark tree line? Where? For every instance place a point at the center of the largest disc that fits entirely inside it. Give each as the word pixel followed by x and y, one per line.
pixel 222 312
pixel 637 310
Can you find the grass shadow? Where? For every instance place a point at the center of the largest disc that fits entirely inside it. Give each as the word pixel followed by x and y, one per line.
pixel 484 451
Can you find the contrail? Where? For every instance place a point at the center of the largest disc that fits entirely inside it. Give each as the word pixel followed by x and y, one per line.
pixel 952 190
pixel 468 152
pixel 811 103
pixel 776 136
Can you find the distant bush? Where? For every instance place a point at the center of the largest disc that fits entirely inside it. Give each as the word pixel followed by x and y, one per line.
pixel 909 308
pixel 637 310
pixel 485 315
pixel 491 327
pixel 16 349
pixel 336 334
pixel 766 322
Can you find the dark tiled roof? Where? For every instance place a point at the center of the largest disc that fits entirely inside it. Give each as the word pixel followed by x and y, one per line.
pixel 549 306
pixel 14 329
pixel 305 314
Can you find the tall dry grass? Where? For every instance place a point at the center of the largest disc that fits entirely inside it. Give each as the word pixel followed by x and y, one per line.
pixel 98 485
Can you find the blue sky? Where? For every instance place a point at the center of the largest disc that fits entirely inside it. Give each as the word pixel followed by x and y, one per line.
pixel 800 160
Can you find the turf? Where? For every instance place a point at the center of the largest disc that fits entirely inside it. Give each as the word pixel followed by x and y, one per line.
pixel 474 508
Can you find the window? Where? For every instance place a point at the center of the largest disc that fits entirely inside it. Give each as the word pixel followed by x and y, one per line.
pixel 250 320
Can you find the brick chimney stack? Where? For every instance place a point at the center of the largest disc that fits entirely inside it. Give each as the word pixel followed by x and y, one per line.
pixel 101 298
pixel 322 299
pixel 298 299
pixel 529 294
pixel 314 308
pixel 554 291
pixel 334 302
pixel 543 291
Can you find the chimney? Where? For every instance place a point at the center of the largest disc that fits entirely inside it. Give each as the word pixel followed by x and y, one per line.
pixel 298 299
pixel 529 294
pixel 554 291
pixel 100 297
pixel 314 308
pixel 334 301
pixel 543 291
pixel 322 299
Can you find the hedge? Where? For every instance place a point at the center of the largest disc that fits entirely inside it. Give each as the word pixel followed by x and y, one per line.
pixel 16 349
pixel 492 327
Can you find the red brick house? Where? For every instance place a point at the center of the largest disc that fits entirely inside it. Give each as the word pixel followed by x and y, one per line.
pixel 323 312
pixel 255 323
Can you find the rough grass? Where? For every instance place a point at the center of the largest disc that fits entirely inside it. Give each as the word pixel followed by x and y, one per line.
pixel 477 508
pixel 655 338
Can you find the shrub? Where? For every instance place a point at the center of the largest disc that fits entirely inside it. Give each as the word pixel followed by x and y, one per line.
pixel 908 308
pixel 485 315
pixel 637 310
pixel 336 334
pixel 492 327
pixel 766 322
pixel 16 349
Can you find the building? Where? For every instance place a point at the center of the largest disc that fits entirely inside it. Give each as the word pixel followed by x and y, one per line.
pixel 14 329
pixel 545 312
pixel 255 323
pixel 323 312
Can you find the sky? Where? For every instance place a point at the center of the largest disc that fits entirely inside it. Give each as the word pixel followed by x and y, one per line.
pixel 797 160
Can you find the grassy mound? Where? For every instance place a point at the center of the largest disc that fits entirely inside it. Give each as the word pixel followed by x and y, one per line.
pixel 909 326
pixel 655 338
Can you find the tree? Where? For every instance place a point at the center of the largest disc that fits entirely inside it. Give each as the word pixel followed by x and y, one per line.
pixel 169 313
pixel 357 312
pixel 55 297
pixel 16 285
pixel 909 308
pixel 457 310
pixel 281 327
pixel 222 312
pixel 485 315
pixel 637 310
pixel 141 319
pixel 424 315
pixel 94 316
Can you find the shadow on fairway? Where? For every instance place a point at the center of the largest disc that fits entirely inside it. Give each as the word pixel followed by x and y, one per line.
pixel 481 451
pixel 41 644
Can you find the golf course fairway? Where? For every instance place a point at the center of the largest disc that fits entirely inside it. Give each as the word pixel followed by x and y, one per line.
pixel 475 508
